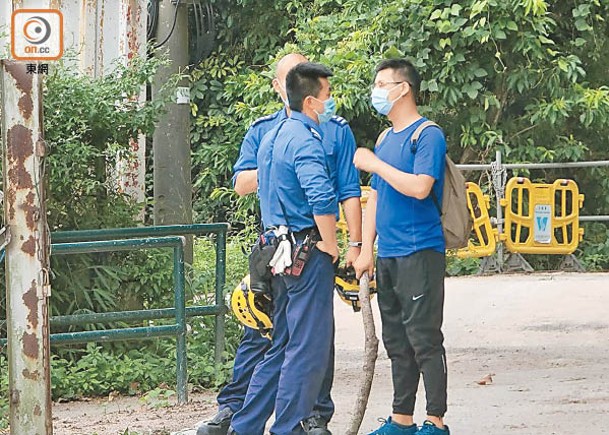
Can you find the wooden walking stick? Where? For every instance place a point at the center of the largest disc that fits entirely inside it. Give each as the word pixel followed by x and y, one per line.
pixel 370 352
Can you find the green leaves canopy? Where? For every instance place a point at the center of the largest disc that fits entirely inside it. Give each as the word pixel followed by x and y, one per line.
pixel 527 77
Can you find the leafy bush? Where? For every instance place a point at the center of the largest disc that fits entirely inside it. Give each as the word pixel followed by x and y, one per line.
pixel 523 77
pixel 98 370
pixel 137 367
pixel 594 250
pixel 89 123
pixel 3 391
pixel 461 266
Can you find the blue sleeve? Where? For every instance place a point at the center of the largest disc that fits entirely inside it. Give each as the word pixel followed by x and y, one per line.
pixel 310 167
pixel 247 154
pixel 374 181
pixel 347 173
pixel 430 156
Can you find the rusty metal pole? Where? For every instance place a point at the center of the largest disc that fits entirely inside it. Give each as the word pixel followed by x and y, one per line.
pixel 27 253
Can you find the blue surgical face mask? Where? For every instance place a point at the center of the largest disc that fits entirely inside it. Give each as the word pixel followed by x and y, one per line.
pixel 329 110
pixel 380 100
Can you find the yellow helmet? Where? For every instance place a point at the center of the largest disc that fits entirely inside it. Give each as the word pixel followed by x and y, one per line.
pixel 347 287
pixel 251 308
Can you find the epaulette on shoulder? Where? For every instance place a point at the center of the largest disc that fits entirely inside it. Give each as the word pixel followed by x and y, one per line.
pixel 315 133
pixel 264 119
pixel 339 120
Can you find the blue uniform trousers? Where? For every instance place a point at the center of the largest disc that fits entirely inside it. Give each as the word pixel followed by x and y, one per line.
pixel 289 378
pixel 250 352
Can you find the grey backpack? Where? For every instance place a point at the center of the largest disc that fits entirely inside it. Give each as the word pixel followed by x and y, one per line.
pixel 456 218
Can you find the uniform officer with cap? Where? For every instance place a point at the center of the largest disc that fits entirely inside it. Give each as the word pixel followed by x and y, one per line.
pixel 339 145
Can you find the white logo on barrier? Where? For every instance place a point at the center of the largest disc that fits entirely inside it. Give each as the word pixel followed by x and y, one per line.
pixel 542 228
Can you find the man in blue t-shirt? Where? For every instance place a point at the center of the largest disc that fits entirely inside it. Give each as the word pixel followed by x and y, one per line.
pixel 339 146
pixel 402 209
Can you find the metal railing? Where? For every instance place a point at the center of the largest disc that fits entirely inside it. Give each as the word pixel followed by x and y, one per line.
pixel 499 179
pixel 108 240
pixel 497 168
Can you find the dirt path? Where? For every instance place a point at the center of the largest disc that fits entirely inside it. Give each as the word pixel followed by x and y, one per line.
pixel 544 339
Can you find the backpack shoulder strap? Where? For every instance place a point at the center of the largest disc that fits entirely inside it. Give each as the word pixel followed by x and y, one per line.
pixel 420 128
pixel 382 136
pixel 417 133
pixel 413 149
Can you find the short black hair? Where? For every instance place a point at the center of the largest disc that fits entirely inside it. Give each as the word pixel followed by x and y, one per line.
pixel 406 71
pixel 303 81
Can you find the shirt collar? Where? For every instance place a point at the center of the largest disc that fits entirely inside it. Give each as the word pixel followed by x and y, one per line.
pixel 308 122
pixel 283 114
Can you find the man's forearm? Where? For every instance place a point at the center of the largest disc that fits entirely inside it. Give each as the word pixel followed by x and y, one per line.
pixel 326 224
pixel 353 215
pixel 246 182
pixel 369 233
pixel 416 186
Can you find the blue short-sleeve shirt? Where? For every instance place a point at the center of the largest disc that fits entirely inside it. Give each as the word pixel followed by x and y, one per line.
pixel 294 182
pixel 404 224
pixel 252 139
pixel 338 143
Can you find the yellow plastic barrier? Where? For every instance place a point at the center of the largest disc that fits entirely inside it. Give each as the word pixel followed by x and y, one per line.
pixel 342 222
pixel 542 218
pixel 485 237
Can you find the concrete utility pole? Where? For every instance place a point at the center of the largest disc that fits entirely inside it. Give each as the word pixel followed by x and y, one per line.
pixel 27 253
pixel 171 140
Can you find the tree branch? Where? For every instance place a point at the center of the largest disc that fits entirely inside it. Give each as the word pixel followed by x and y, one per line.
pixel 370 353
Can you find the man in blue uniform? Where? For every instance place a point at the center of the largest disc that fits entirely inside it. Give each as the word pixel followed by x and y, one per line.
pixel 407 179
pixel 296 191
pixel 339 146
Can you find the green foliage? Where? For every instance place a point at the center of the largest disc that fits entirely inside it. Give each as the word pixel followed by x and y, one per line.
pixel 89 123
pixel 96 370
pixel 456 266
pixel 3 392
pixel 527 77
pixel 594 250
pixel 112 282
pixel 158 398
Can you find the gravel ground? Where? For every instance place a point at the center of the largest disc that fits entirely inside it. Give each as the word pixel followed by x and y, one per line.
pixel 542 338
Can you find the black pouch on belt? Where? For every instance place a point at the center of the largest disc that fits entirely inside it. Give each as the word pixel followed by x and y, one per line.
pixel 258 260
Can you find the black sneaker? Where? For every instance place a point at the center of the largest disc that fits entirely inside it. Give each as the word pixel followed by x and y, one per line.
pixel 316 426
pixel 218 425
